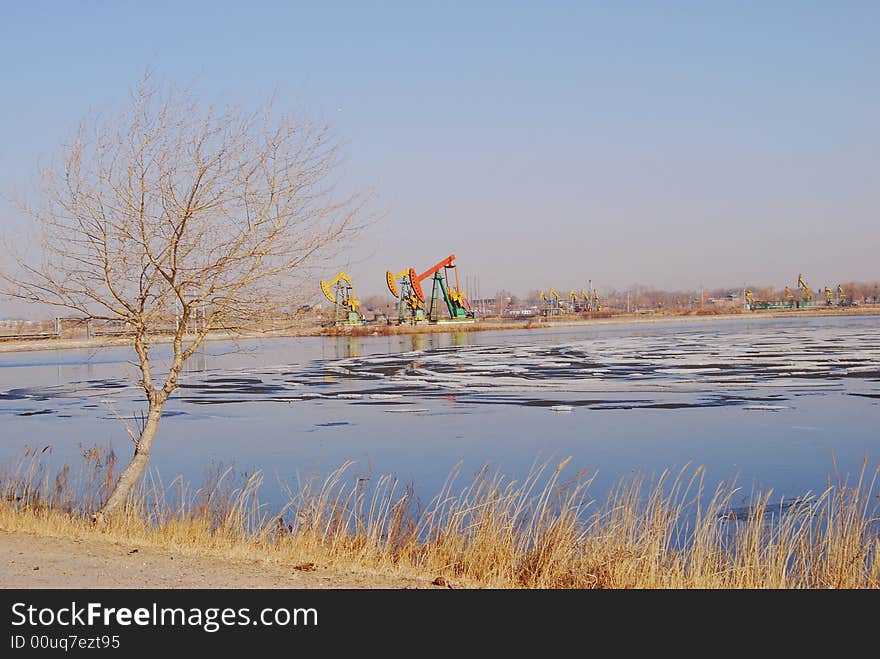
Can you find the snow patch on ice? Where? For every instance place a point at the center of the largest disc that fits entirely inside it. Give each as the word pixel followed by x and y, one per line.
pixel 767 408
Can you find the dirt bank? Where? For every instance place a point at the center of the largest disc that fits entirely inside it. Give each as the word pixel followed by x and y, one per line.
pixel 30 561
pixel 581 321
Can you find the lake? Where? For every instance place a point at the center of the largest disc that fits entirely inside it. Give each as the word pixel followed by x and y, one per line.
pixel 782 403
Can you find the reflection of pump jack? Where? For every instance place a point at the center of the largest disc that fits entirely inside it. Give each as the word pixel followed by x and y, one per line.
pixel 347 347
pixel 417 342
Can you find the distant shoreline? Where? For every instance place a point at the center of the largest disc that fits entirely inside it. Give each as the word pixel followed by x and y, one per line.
pixel 616 319
pixel 492 324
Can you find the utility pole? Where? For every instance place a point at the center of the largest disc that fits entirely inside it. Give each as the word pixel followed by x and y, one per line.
pixel 479 299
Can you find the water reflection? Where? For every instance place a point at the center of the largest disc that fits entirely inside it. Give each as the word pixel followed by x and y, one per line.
pixel 347 346
pixel 768 401
pixel 198 363
pixel 417 342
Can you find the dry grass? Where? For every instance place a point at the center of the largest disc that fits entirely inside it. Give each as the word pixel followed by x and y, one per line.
pixel 542 532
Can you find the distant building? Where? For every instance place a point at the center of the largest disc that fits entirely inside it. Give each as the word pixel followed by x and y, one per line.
pixel 517 313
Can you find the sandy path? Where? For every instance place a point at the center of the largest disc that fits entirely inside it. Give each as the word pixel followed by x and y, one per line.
pixel 29 561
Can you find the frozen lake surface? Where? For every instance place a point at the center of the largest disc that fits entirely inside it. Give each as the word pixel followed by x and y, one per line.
pixel 772 403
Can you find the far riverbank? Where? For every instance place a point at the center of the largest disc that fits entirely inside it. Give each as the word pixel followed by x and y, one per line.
pixel 480 325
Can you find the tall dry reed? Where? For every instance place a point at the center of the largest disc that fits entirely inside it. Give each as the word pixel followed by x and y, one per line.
pixel 669 531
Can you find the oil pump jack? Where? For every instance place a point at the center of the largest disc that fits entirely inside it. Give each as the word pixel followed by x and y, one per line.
pixel 453 299
pixel 409 308
pixel 807 292
pixel 341 293
pixel 591 302
pixel 552 303
pixel 556 301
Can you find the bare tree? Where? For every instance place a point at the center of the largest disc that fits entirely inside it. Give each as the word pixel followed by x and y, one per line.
pixel 171 213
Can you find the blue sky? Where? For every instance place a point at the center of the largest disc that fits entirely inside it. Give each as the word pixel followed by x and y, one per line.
pixel 669 144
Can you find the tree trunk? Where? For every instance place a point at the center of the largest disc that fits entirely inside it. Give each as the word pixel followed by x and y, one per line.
pixel 135 469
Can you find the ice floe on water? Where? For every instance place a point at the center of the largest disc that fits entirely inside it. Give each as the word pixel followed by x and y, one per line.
pixel 762 367
pixel 767 408
pixel 680 369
